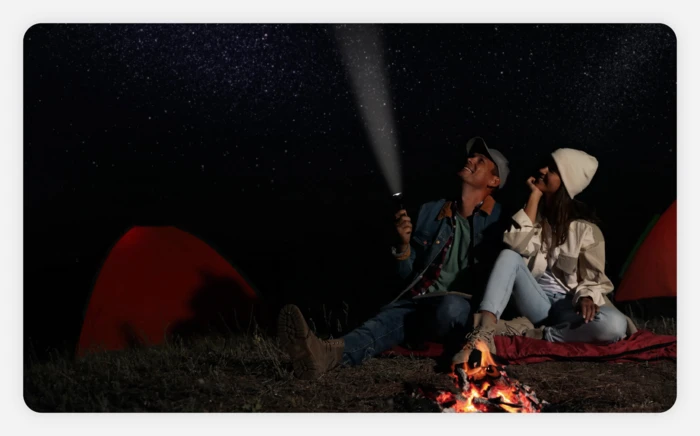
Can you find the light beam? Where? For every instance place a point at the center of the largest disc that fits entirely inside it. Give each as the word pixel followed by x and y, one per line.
pixel 361 49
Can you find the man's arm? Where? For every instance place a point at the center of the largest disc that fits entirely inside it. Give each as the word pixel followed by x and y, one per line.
pixel 404 255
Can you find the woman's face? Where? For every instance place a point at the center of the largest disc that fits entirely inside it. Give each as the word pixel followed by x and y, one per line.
pixel 549 181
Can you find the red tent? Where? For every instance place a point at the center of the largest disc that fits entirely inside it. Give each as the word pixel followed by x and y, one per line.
pixel 652 272
pixel 159 281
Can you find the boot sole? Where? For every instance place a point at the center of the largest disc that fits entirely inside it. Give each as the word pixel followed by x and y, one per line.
pixel 293 332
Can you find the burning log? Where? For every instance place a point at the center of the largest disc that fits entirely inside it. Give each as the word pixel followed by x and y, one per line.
pixel 486 387
pixel 494 404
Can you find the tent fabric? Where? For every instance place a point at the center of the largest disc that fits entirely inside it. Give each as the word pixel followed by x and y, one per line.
pixel 638 244
pixel 641 346
pixel 652 272
pixel 159 281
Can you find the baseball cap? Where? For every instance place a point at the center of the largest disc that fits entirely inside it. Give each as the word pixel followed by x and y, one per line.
pixel 477 144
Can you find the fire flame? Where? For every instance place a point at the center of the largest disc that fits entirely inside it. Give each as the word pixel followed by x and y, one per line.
pixel 485 367
pixel 488 388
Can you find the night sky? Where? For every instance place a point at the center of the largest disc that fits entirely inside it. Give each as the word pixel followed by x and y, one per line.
pixel 250 137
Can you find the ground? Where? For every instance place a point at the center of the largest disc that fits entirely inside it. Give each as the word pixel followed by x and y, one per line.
pixel 249 374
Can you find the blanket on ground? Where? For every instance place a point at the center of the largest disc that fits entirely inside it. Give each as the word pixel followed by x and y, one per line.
pixel 641 346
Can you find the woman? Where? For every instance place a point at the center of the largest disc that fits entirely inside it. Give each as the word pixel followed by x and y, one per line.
pixel 554 269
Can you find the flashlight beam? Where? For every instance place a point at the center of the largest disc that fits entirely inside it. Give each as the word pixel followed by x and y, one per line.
pixel 361 48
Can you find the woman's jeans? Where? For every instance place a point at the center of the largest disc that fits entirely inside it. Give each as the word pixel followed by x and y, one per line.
pixel 440 318
pixel 511 278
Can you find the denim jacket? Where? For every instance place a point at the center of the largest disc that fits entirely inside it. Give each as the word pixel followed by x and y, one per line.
pixel 433 228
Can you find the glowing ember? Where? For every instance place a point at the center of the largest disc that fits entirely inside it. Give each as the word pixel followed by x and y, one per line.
pixel 486 387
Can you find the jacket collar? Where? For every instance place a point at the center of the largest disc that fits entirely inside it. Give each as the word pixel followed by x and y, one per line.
pixel 446 211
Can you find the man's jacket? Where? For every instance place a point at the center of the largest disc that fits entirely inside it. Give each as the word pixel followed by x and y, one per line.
pixel 431 232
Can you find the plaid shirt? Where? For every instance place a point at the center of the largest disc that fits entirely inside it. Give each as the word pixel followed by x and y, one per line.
pixel 412 265
pixel 433 271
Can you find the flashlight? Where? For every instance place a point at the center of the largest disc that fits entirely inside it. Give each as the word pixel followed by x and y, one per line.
pixel 398 201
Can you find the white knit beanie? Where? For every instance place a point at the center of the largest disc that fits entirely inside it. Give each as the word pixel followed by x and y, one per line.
pixel 576 168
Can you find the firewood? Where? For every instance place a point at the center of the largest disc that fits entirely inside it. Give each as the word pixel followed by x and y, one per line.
pixel 485 387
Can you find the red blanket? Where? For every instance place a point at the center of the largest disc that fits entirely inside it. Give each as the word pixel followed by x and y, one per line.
pixel 641 346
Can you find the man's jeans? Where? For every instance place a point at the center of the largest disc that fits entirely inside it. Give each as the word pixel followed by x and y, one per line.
pixel 441 318
pixel 511 278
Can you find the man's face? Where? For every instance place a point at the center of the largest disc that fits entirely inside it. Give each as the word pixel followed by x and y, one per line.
pixel 479 171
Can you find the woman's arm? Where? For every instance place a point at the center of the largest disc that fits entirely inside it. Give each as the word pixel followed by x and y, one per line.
pixel 593 282
pixel 534 201
pixel 522 236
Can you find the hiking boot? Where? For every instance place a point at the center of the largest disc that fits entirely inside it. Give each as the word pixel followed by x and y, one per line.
pixel 483 332
pixel 311 356
pixel 514 327
pixel 535 333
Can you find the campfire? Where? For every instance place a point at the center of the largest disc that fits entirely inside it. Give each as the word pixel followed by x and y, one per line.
pixel 486 387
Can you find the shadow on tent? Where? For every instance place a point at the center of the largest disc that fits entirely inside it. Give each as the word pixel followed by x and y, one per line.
pixel 158 282
pixel 220 305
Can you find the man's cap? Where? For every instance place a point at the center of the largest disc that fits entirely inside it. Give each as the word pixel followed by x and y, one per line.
pixel 477 144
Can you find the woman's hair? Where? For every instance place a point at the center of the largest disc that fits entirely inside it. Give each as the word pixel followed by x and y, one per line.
pixel 564 209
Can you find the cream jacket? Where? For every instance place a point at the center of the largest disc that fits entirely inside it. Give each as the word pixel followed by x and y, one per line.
pixel 578 264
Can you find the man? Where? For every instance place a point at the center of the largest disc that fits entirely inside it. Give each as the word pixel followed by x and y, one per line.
pixel 443 259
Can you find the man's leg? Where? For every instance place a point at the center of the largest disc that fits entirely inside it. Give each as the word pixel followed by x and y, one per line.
pixel 378 334
pixel 311 356
pixel 448 320
pixel 451 317
pixel 609 325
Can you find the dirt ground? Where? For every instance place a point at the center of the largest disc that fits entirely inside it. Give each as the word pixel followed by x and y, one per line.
pixel 250 374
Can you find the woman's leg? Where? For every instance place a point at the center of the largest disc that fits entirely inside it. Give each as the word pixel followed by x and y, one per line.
pixel 609 325
pixel 510 276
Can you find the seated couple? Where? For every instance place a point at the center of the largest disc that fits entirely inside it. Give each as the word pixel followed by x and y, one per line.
pixel 552 271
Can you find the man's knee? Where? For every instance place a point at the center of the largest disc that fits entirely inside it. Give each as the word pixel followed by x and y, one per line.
pixel 453 312
pixel 612 325
pixel 453 307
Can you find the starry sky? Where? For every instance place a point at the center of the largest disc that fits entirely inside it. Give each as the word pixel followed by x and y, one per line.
pixel 243 134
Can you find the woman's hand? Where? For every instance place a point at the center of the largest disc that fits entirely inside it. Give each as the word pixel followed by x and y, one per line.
pixel 534 200
pixel 534 190
pixel 587 308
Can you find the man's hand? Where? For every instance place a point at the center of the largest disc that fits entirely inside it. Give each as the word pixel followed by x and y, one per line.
pixel 587 308
pixel 403 229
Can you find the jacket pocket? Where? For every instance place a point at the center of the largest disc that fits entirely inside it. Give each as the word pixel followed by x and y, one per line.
pixel 421 240
pixel 567 264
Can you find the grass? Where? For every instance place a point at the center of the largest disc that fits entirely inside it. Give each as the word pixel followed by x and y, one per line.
pixel 248 373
